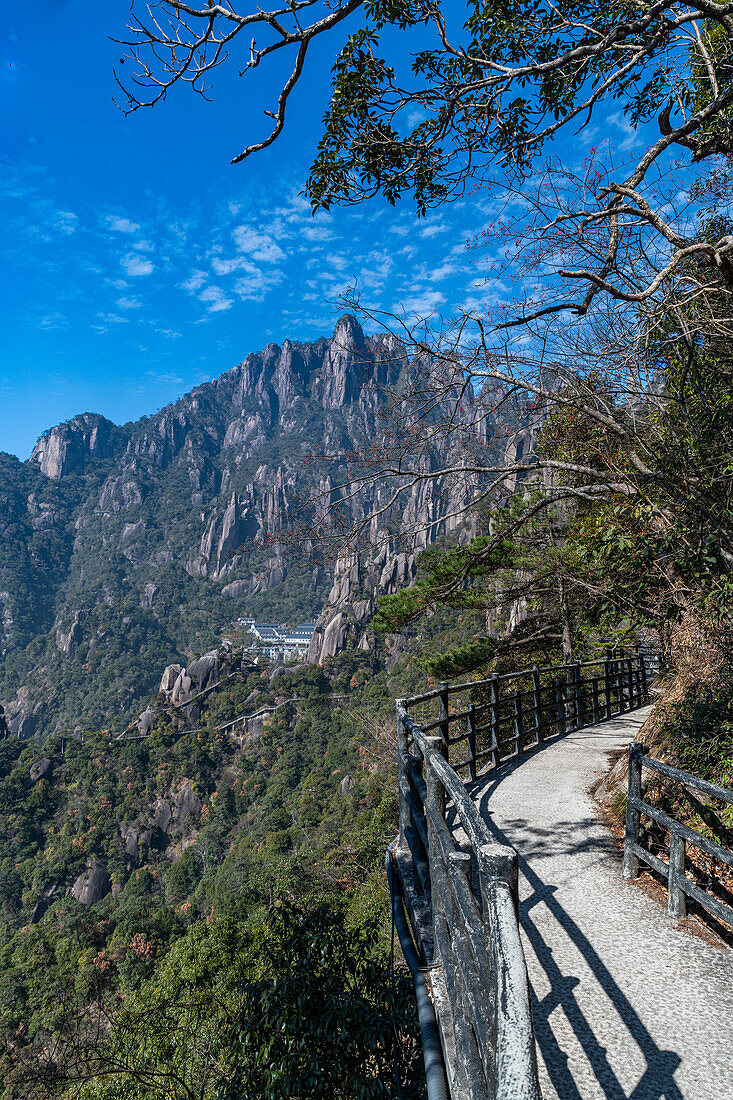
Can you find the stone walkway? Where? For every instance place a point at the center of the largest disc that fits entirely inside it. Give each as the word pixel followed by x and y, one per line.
pixel 627 1005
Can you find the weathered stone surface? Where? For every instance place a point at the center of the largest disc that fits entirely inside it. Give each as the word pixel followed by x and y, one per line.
pixel 145 721
pixel 162 814
pixel 40 768
pixel 149 592
pixel 136 840
pixel 21 713
pixel 169 677
pixel 42 902
pixel 93 883
pixel 183 688
pixel 188 806
pixel 68 642
pixel 346 786
pixel 69 447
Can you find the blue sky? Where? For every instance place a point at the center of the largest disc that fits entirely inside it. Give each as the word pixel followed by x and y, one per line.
pixel 137 263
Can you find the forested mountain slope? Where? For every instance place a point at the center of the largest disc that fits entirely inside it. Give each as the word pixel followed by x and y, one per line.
pixel 139 870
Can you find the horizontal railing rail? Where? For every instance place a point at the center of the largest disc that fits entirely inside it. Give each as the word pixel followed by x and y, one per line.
pixel 679 885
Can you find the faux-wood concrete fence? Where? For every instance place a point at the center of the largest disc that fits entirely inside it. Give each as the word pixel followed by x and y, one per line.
pixel 679 885
pixel 459 887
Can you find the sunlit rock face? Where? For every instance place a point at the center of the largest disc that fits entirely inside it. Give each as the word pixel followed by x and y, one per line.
pixel 70 447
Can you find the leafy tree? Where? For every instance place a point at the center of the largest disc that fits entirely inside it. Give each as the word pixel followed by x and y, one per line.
pixel 297 1004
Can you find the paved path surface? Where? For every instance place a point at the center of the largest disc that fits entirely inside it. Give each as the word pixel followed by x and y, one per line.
pixel 627 1006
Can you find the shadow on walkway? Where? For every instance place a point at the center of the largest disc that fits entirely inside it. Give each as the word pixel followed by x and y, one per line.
pixel 657 1081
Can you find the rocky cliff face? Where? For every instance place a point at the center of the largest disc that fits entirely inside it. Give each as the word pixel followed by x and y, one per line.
pixel 123 549
pixel 71 447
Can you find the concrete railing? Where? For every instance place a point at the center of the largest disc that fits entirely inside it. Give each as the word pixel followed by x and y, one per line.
pixel 679 885
pixel 459 887
pixel 460 891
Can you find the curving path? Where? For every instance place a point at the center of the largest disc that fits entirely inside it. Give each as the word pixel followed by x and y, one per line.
pixel 627 1005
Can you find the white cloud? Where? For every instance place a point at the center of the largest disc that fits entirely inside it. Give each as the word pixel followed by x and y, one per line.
pixel 128 303
pixel 334 260
pixel 165 378
pixel 52 321
pixel 259 246
pixel 225 267
pixel 416 117
pixel 423 302
pixel 460 248
pixel 256 284
pixel 295 207
pixel 375 275
pixel 136 265
pixel 215 299
pixel 436 274
pixel 623 124
pixel 66 222
pixel 194 281
pixel 433 229
pixel 121 225
pixel 316 233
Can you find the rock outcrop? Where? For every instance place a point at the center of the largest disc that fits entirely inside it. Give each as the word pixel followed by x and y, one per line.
pixel 68 641
pixel 69 447
pixel 181 685
pixel 188 806
pixel 93 883
pixel 352 601
pixel 136 839
pixel 40 769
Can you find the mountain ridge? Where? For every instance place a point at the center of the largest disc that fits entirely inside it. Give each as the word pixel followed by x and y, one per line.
pixel 127 548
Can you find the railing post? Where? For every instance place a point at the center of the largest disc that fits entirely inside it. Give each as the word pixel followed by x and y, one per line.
pixel 631 832
pixel 607 682
pixel 517 714
pixel 596 704
pixel 643 686
pixel 620 679
pixel 471 731
pixel 435 791
pixel 403 807
pixel 559 705
pixel 443 713
pixel 676 901
pixel 577 695
pixel 498 862
pixel 494 708
pixel 460 866
pixel 537 704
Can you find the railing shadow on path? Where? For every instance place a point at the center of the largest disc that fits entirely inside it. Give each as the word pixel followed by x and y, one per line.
pixel 657 1081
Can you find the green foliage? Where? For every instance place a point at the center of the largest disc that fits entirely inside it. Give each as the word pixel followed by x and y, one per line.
pixel 322 1019
pixel 295 1002
pixel 442 573
pixel 462 659
pixel 467 117
pixel 699 730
